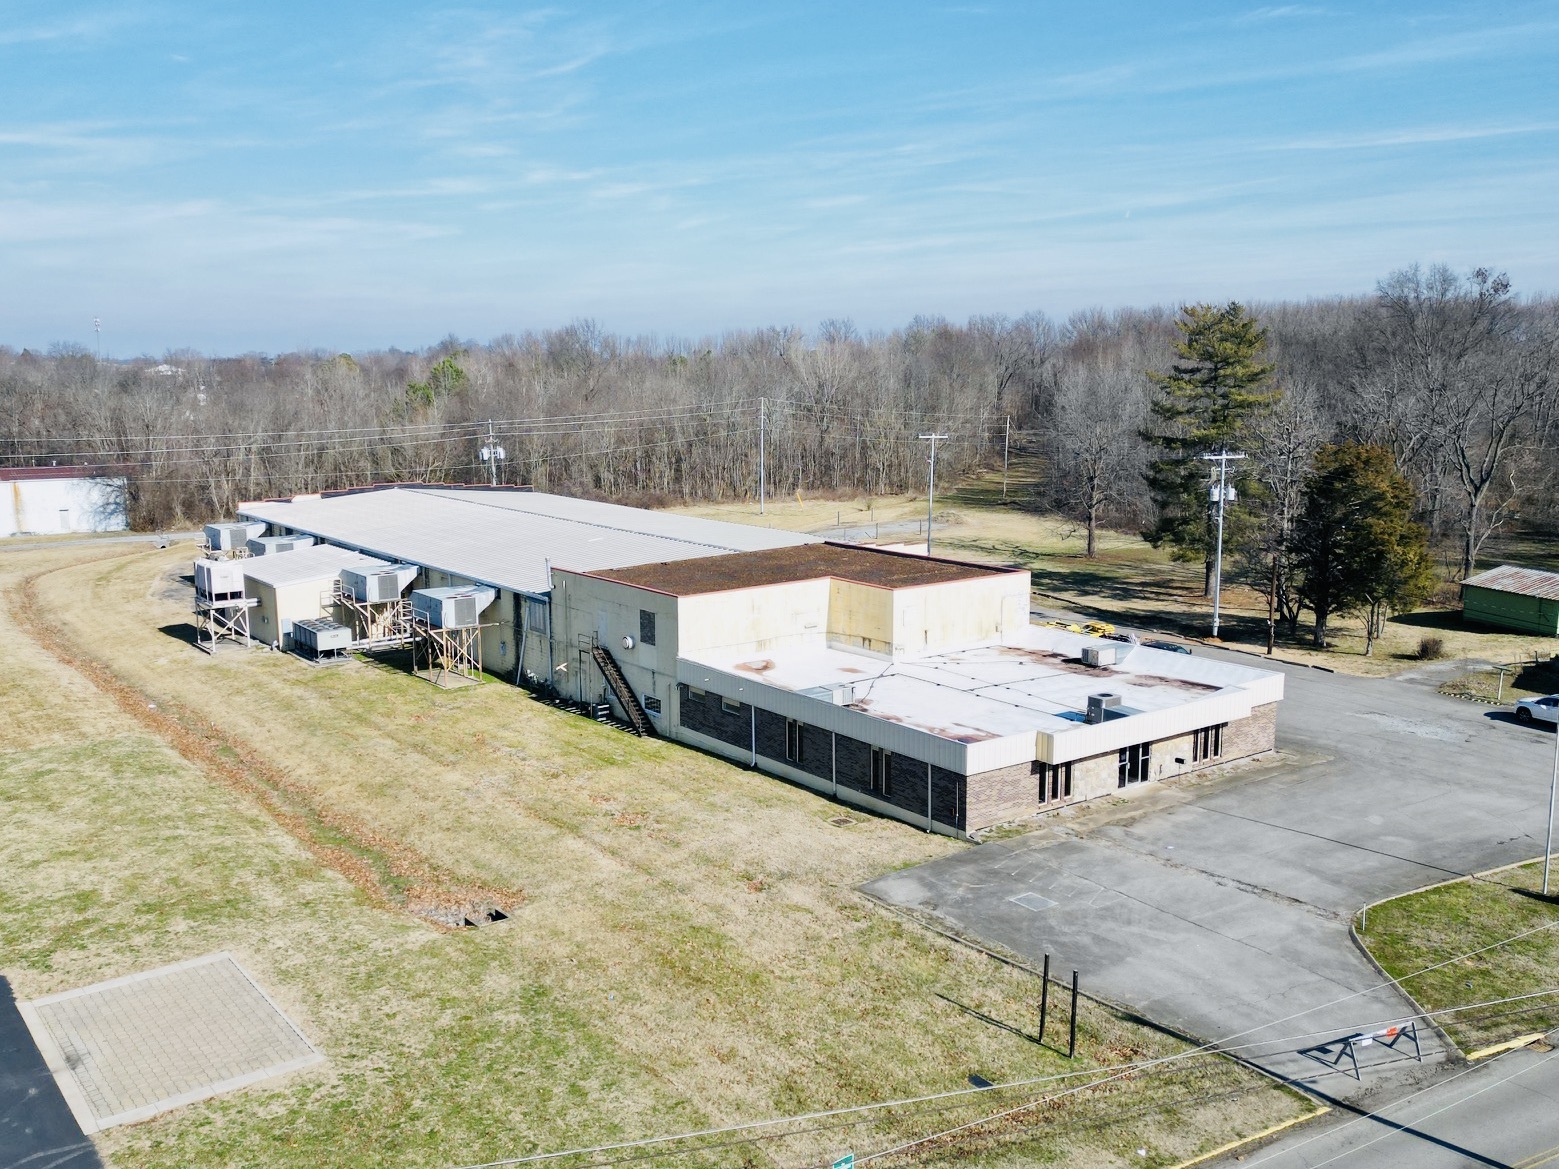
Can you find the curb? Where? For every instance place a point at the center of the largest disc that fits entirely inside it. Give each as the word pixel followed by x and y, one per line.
pixel 1253 1138
pixel 1508 1045
pixel 1364 949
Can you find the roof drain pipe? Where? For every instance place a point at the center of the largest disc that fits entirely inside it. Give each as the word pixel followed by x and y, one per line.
pixel 751 707
pixel 520 610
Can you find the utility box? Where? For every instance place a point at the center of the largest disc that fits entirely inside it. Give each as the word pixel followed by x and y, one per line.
pixel 1102 706
pixel 451 608
pixel 219 580
pixel 232 537
pixel 270 545
pixel 1098 655
pixel 321 637
pixel 377 584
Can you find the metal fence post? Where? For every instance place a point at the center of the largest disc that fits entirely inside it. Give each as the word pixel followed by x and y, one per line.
pixel 1044 998
pixel 1071 1043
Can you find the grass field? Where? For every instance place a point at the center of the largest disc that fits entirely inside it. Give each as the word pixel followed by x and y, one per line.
pixel 1423 930
pixel 685 949
pixel 1128 581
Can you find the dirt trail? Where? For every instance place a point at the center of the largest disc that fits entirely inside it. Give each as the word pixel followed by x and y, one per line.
pixel 391 874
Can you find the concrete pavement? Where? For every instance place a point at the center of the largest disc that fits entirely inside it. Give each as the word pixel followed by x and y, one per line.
pixel 1503 1113
pixel 1222 908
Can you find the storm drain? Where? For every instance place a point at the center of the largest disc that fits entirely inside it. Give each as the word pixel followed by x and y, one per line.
pixel 483 917
pixel 1032 901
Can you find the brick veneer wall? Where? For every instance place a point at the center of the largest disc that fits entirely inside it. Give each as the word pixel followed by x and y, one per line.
pixel 706 716
pixel 1011 793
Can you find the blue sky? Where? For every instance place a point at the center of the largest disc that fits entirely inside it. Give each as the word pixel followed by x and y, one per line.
pixel 348 176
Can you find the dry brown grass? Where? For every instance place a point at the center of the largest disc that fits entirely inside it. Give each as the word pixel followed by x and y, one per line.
pixel 690 949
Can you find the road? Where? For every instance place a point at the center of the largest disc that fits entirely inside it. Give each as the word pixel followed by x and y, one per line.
pixel 1502 1113
pixel 37 1129
pixel 1222 908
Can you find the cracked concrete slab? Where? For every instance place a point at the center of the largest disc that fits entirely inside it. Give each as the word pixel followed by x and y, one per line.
pixel 1221 909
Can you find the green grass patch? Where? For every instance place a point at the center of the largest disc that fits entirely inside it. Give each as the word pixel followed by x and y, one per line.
pixel 1421 930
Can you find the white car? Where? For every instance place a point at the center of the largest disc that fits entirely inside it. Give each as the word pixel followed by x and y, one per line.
pixel 1530 710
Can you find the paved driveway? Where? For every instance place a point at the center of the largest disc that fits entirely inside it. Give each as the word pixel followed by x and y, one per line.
pixel 1222 908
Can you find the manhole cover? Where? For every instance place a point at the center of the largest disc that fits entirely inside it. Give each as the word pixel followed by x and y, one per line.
pixel 1032 901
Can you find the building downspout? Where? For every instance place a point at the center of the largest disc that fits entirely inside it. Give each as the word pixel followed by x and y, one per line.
pixel 753 710
pixel 524 612
pixel 928 795
pixel 833 760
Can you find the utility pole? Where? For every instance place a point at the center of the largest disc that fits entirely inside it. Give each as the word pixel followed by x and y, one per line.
pixel 491 453
pixel 933 439
pixel 1553 788
pixel 1006 445
pixel 763 421
pixel 1223 459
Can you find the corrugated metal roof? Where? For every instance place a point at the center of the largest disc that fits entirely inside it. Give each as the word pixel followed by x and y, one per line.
pixel 318 562
pixel 1509 578
pixel 507 539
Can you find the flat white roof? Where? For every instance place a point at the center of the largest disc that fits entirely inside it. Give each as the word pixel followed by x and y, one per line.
pixel 1034 683
pixel 507 539
pixel 316 562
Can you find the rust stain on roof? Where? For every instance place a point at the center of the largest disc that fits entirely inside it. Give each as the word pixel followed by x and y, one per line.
pixel 761 666
pixel 1177 683
pixel 1511 578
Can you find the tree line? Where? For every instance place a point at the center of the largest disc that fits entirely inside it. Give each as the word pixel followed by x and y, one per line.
pixel 1450 374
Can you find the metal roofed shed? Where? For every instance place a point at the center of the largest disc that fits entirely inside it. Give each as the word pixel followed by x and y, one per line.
pixel 297 586
pixel 1511 597
pixel 509 539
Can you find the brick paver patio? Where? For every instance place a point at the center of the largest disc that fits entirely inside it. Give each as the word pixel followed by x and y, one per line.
pixel 133 1047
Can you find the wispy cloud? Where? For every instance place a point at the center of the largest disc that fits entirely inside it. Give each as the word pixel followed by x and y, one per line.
pixel 1279 12
pixel 1422 136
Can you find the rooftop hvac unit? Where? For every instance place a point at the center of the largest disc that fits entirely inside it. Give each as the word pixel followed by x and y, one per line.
pixel 1098 655
pixel 320 636
pixel 1100 706
pixel 219 579
pixel 377 584
pixel 451 608
pixel 843 694
pixel 268 545
pixel 231 537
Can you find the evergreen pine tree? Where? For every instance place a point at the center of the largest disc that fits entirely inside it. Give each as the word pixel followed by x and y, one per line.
pixel 1201 407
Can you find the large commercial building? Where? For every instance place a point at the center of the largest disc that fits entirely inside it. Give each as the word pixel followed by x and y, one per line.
pixel 912 686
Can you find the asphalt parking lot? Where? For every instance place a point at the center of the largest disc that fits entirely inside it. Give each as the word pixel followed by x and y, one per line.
pixel 1221 908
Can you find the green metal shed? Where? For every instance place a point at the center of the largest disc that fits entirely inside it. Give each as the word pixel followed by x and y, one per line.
pixel 1508 597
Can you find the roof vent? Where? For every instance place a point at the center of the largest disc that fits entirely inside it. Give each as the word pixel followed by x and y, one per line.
pixel 231 537
pixel 270 545
pixel 1100 706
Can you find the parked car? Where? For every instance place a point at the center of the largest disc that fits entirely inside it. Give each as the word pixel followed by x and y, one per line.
pixel 1530 710
pixel 1173 647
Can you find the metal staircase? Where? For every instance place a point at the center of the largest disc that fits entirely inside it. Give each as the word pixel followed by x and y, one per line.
pixel 638 722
